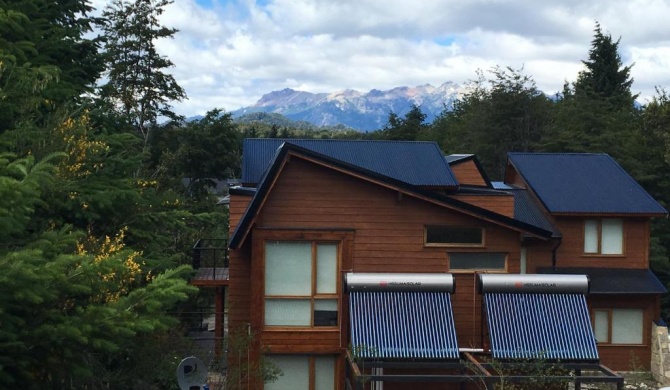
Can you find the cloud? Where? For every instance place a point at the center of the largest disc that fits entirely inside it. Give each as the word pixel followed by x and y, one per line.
pixel 227 54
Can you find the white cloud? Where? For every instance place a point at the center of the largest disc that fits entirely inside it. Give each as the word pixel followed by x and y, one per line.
pixel 229 53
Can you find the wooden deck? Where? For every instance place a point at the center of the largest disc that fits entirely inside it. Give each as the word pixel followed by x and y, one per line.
pixel 211 277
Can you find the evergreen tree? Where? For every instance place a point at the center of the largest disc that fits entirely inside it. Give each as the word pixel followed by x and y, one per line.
pixel 501 114
pixel 138 85
pixel 408 128
pixel 44 43
pixel 597 113
pixel 605 76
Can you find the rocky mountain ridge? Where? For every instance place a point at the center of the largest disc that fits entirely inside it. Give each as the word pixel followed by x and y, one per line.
pixel 362 111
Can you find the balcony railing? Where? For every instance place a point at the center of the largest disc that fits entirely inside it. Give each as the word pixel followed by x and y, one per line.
pixel 210 259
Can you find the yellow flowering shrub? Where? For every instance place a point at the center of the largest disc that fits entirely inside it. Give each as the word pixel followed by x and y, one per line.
pixel 112 249
pixel 80 148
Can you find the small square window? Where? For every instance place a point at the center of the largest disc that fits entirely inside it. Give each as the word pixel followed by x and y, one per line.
pixel 603 236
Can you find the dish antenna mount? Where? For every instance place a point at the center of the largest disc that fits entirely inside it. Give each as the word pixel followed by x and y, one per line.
pixel 191 374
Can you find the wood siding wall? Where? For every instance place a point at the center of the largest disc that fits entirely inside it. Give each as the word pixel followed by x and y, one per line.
pixel 239 288
pixel 627 357
pixel 501 204
pixel 466 173
pixel 388 235
pixel 636 245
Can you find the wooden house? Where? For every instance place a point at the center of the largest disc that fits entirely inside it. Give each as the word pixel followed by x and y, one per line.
pixel 347 253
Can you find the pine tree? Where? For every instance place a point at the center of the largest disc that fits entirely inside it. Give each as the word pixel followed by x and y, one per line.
pixel 605 76
pixel 138 85
pixel 41 42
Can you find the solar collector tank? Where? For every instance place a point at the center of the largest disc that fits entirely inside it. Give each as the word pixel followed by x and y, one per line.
pixel 399 282
pixel 533 283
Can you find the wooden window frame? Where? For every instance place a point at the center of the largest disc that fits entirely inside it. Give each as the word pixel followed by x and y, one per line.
pixel 599 224
pixel 609 311
pixel 480 270
pixel 312 367
pixel 454 244
pixel 314 295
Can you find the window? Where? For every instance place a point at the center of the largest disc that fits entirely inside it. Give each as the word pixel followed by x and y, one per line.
pixel 472 261
pixel 454 236
pixel 301 283
pixel 618 326
pixel 603 236
pixel 304 372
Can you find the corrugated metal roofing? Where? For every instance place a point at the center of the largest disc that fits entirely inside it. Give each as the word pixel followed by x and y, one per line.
pixel 615 280
pixel 528 211
pixel 402 325
pixel 415 163
pixel 548 326
pixel 583 183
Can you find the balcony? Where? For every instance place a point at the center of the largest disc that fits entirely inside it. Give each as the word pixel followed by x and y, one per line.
pixel 210 260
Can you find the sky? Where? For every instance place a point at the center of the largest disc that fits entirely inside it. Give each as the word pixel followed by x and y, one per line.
pixel 228 53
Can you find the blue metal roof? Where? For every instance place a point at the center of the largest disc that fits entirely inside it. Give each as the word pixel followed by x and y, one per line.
pixel 548 326
pixel 415 163
pixel 402 325
pixel 615 280
pixel 527 210
pixel 583 183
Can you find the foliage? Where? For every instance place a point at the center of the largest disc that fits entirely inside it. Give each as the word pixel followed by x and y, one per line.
pixel 244 371
pixel 69 298
pixel 501 114
pixel 408 128
pixel 540 373
pixel 605 76
pixel 204 150
pixel 138 86
pixel 42 41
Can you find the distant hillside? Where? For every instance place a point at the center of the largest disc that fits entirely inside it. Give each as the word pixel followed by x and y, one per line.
pixel 362 111
pixel 274 119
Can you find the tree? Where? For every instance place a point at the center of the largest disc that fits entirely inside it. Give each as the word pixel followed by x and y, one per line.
pixel 501 114
pixel 137 83
pixel 68 299
pixel 597 113
pixel 605 76
pixel 408 128
pixel 44 43
pixel 203 151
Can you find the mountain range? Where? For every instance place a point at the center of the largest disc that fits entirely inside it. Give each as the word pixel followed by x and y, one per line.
pixel 361 111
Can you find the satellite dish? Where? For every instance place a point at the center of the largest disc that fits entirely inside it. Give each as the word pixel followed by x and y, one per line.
pixel 191 374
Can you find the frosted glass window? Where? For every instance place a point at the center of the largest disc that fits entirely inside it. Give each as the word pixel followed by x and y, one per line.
pixel 523 266
pixel 324 373
pixel 590 236
pixel 288 312
pixel 295 370
pixel 288 268
pixel 326 269
pixel 627 325
pixel 325 312
pixel 602 326
pixel 612 237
